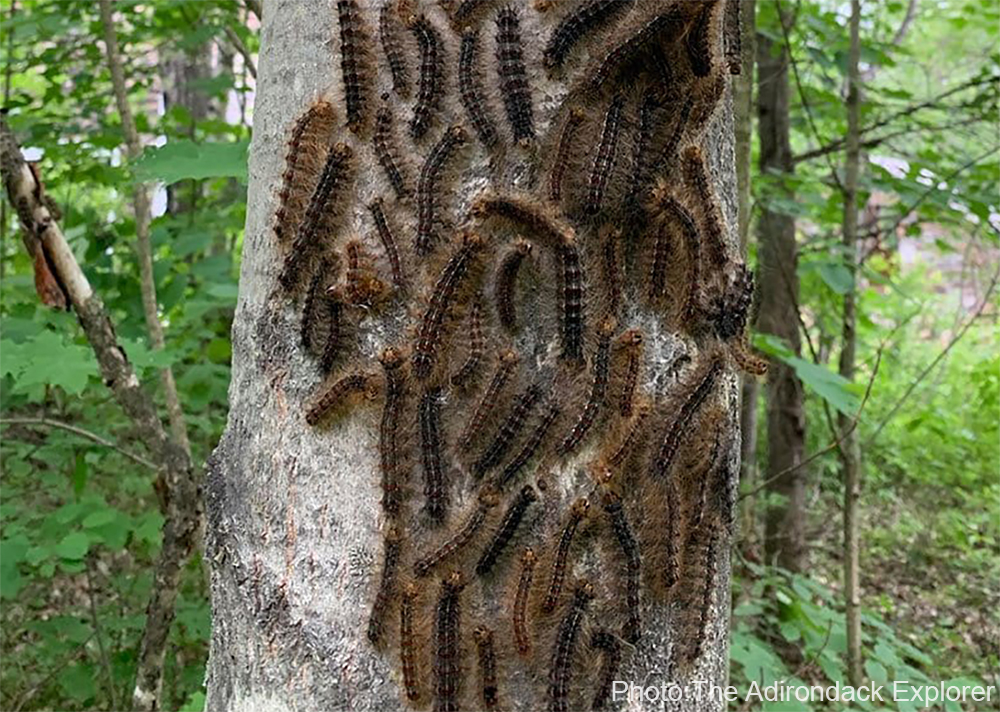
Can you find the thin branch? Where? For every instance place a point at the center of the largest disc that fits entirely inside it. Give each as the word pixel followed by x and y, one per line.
pixel 235 40
pixel 100 639
pixel 80 432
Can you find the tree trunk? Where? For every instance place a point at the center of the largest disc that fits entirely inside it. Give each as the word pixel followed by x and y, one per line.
pixel 296 530
pixel 779 285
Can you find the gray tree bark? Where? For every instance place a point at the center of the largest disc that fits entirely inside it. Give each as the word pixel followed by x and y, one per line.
pixel 294 519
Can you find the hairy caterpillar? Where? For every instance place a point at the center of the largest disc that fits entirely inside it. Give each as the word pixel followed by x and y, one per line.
pixel 598 391
pixel 697 42
pixel 571 302
pixel 604 160
pixel 428 187
pixel 513 75
pixel 696 604
pixel 431 80
pixel 670 207
pixel 696 175
pixel 362 285
pixel 391 45
pixel 565 645
pixel 508 527
pixel 321 317
pixel 611 653
pixel 307 149
pixel 626 541
pixel 632 436
pixel 680 125
pixel 505 369
pixel 429 333
pixel 320 215
pixel 522 638
pixel 477 345
pixel 355 64
pixel 447 644
pixel 705 98
pixel 611 268
pixel 509 430
pixel 641 154
pixel 561 161
pixel 487 665
pixel 506 279
pixel 386 588
pixel 408 642
pixel 467 9
pixel 386 152
pixel 632 42
pixel 526 213
pixel 389 435
pixel 529 449
pixel 337 392
pixel 631 343
pixel 733 36
pixel 429 417
pixel 471 90
pixel 474 522
pixel 730 310
pixel 677 430
pixel 576 515
pixel 589 18
pixel 388 240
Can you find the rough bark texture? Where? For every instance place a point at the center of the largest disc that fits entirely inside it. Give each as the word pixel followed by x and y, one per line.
pixel 294 516
pixel 778 253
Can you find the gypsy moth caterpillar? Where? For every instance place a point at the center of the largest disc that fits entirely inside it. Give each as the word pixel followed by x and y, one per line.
pixel 363 287
pixel 598 391
pixel 428 186
pixel 522 637
pixel 610 238
pixel 307 149
pixel 387 153
pixel 729 310
pixel 631 345
pixel 447 644
pixel 698 42
pixel 508 431
pixel 430 88
pixel 504 370
pixel 390 457
pixel 470 90
pixel 356 65
pixel 321 316
pixel 565 646
pixel 611 654
pixel 695 606
pixel 512 74
pixel 386 587
pixel 451 546
pixel 630 41
pixel 475 349
pixel 506 281
pixel 560 163
pixel 577 514
pixel 649 109
pixel 630 549
pixel 338 392
pixel 429 417
pixel 681 119
pixel 392 43
pixel 468 9
pixel 571 302
pixel 732 32
pixel 671 211
pixel 408 642
pixel 603 164
pixel 487 655
pixel 389 245
pixel 696 175
pixel 511 520
pixel 524 212
pixel 575 26
pixel 531 446
pixel 628 443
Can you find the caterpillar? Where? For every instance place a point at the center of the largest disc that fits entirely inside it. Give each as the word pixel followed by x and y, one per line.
pixel 467 9
pixel 408 642
pixel 386 587
pixel 386 152
pixel 362 285
pixel 522 638
pixel 733 36
pixel 524 212
pixel 678 428
pixel 747 360
pixel 632 436
pixel 447 645
pixel 598 391
pixel 561 161
pixel 571 302
pixel 428 186
pixel 697 43
pixel 471 90
pixel 512 519
pixel 506 280
pixel 641 154
pixel 504 370
pixel 696 175
pixel 513 75
pixel 451 277
pixel 307 149
pixel 704 99
pixel 565 645
pixel 477 345
pixel 429 417
pixel 631 44
pixel 680 125
pixel 430 87
pixel 460 540
pixel 529 449
pixel 589 18
pixel 355 63
pixel 321 317
pixel 336 393
pixel 389 446
pixel 626 541
pixel 692 241
pixel 576 515
pixel 389 245
pixel 631 343
pixel 700 556
pixel 611 268
pixel 730 310
pixel 487 665
pixel 508 430
pixel 611 654
pixel 321 211
pixel 391 46
pixel 604 160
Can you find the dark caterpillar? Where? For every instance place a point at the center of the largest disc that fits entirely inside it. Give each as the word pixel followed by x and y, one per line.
pixel 362 287
pixel 565 645
pixel 571 302
pixel 598 392
pixel 384 142
pixel 431 81
pixel 471 90
pixel 335 394
pixel 355 64
pixel 477 346
pixel 522 637
pixel 611 268
pixel 429 417
pixel 505 369
pixel 698 41
pixel 428 186
pixel 508 431
pixel 389 445
pixel 678 428
pixel 487 665
pixel 391 44
pixel 321 317
pixel 506 280
pixel 589 18
pixel 447 645
pixel 625 51
pixel 460 540
pixel 408 643
pixel 652 101
pixel 631 343
pixel 386 588
pixel 508 527
pixel 611 652
pixel 605 158
pixel 630 549
pixel 388 240
pixel 696 175
pixel 307 149
pixel 513 75
pixel 733 36
pixel 530 447
pixel 576 516
pixel 561 161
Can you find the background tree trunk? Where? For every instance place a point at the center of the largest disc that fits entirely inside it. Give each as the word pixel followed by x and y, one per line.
pixel 294 512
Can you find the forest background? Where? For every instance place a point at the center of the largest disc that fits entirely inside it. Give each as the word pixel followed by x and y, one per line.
pixel 153 207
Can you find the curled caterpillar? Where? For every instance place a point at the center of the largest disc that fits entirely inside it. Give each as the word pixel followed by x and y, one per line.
pixel 513 75
pixel 336 393
pixel 526 213
pixel 471 90
pixel 428 186
pixel 508 527
pixel 506 280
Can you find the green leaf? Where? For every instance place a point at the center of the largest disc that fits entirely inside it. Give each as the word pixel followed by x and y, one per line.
pixel 194 703
pixel 78 681
pixel 73 546
pixel 181 159
pixel 830 386
pixel 47 360
pixel 837 277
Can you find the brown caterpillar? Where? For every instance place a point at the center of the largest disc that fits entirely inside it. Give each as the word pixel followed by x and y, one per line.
pixel 509 430
pixel 460 540
pixel 386 152
pixel 506 280
pixel 386 587
pixel 321 317
pixel 565 645
pixel 467 9
pixel 733 36
pixel 307 148
pixel 477 346
pixel 697 42
pixel 696 175
pixel 632 436
pixel 320 215
pixel 561 161
pixel 589 18
pixel 338 392
pixel 505 369
pixel 524 212
pixel 522 638
pixel 652 101
pixel 696 604
pixel 636 39
pixel 571 302
pixel 670 207
pixel 392 43
pixel 604 160
pixel 611 653
pixel 389 245
pixel 389 435
pixel 362 284
pixel 487 665
pixel 729 311
pixel 576 515
pixel 408 642
pixel 430 87
pixel 611 268
pixel 428 187
pixel 512 519
pixel 451 277
pixel 530 447
pixel 680 125
pixel 631 343
pixel 429 417
pixel 705 98
pixel 471 90
pixel 447 645
pixel 355 64
pixel 626 540
pixel 598 391
pixel 513 75
pixel 677 430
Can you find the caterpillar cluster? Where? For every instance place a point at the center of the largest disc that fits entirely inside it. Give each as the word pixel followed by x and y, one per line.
pixel 516 329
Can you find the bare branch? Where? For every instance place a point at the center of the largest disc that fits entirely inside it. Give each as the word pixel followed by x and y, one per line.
pixel 235 40
pixel 80 432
